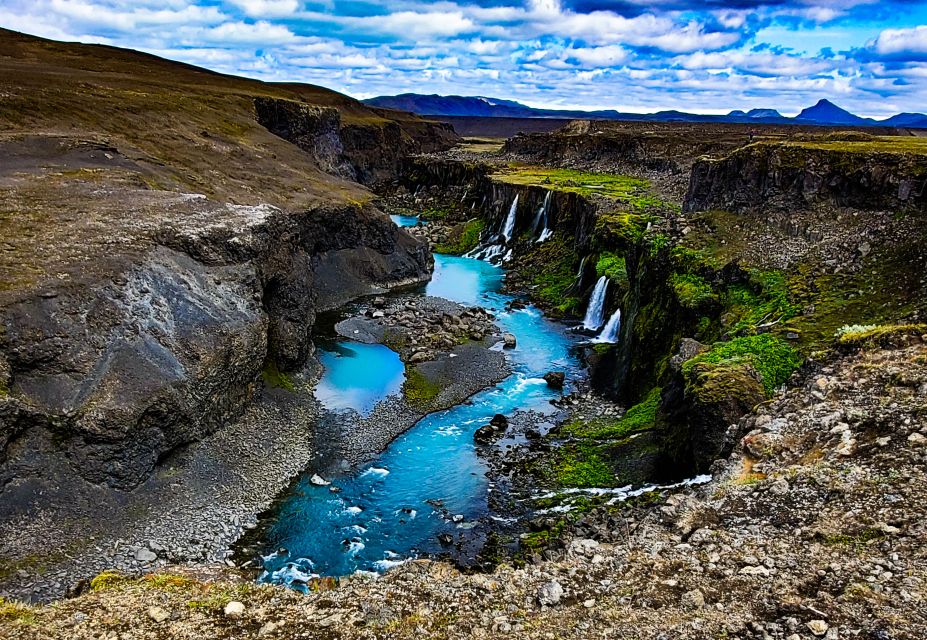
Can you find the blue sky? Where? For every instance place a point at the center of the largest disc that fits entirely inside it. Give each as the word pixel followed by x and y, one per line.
pixel 869 56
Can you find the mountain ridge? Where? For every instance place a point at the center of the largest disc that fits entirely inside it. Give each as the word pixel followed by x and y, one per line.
pixel 822 113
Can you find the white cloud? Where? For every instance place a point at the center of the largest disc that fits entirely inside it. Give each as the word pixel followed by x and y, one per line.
pixel 902 41
pixel 267 8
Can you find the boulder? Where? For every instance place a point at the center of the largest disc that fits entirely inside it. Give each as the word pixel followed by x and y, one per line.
pixel 484 434
pixel 555 379
pixel 509 341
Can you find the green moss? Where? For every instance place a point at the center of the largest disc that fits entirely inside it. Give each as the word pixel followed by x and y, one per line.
pixel 434 213
pixel 107 580
pixel 861 537
pixel 275 378
pixel 638 418
pixel 687 260
pixel 555 274
pixel 467 237
pixel 875 144
pixel 620 229
pixel 17 612
pixel 418 389
pixel 763 300
pixel 582 465
pixel 633 191
pixel 770 356
pixel 658 242
pixel 612 266
pixel 167 581
pixel 877 335
pixel 692 291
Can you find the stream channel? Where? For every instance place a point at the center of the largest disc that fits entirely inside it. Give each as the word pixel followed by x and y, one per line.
pixel 430 480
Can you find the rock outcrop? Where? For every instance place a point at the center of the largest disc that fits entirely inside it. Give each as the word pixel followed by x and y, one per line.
pixel 112 377
pixel 860 174
pixel 153 266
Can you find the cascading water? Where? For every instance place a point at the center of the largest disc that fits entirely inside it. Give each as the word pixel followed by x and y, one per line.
pixel 579 273
pixel 509 228
pixel 612 327
pixel 541 220
pixel 494 249
pixel 595 312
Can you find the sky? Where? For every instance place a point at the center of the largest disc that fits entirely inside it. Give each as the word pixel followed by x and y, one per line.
pixel 869 56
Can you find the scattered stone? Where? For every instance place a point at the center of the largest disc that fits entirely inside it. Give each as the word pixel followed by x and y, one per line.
pixel 917 439
pixel 234 609
pixel 145 556
pixel 818 627
pixel 158 614
pixel 318 480
pixel 694 599
pixel 550 593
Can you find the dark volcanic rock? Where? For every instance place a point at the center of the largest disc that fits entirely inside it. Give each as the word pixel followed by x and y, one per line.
pixel 788 175
pixel 555 379
pixel 116 375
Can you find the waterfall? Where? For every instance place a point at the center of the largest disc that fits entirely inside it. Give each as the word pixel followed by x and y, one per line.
pixel 509 227
pixel 596 309
pixel 541 220
pixel 610 332
pixel 582 263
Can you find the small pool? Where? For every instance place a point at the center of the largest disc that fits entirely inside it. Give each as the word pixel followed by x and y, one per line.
pixel 358 376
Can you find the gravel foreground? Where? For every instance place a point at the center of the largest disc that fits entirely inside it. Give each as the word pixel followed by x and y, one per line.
pixel 813 529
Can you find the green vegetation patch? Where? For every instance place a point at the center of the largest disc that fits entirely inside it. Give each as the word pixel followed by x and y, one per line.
pixel 467 237
pixel 275 378
pixel 17 612
pixel 107 580
pixel 764 300
pixel 632 191
pixel 434 213
pixel 877 335
pixel 555 274
pixel 691 290
pixel 873 144
pixel 418 389
pixel 637 419
pixel 770 356
pixel 612 266
pixel 582 465
pixel 620 229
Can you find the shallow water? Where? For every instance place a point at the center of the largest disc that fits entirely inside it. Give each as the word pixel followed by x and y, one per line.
pixel 430 480
pixel 358 376
pixel 406 221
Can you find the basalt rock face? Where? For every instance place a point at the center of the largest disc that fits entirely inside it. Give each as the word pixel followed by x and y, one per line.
pixel 106 380
pixel 612 146
pixel 792 175
pixel 312 128
pixel 377 152
pixel 369 152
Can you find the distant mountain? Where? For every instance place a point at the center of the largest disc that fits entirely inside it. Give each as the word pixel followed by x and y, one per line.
pixel 824 113
pixel 764 113
pixel 916 120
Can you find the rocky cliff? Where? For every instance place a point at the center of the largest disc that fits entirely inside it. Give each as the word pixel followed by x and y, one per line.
pixel 163 245
pixel 856 171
